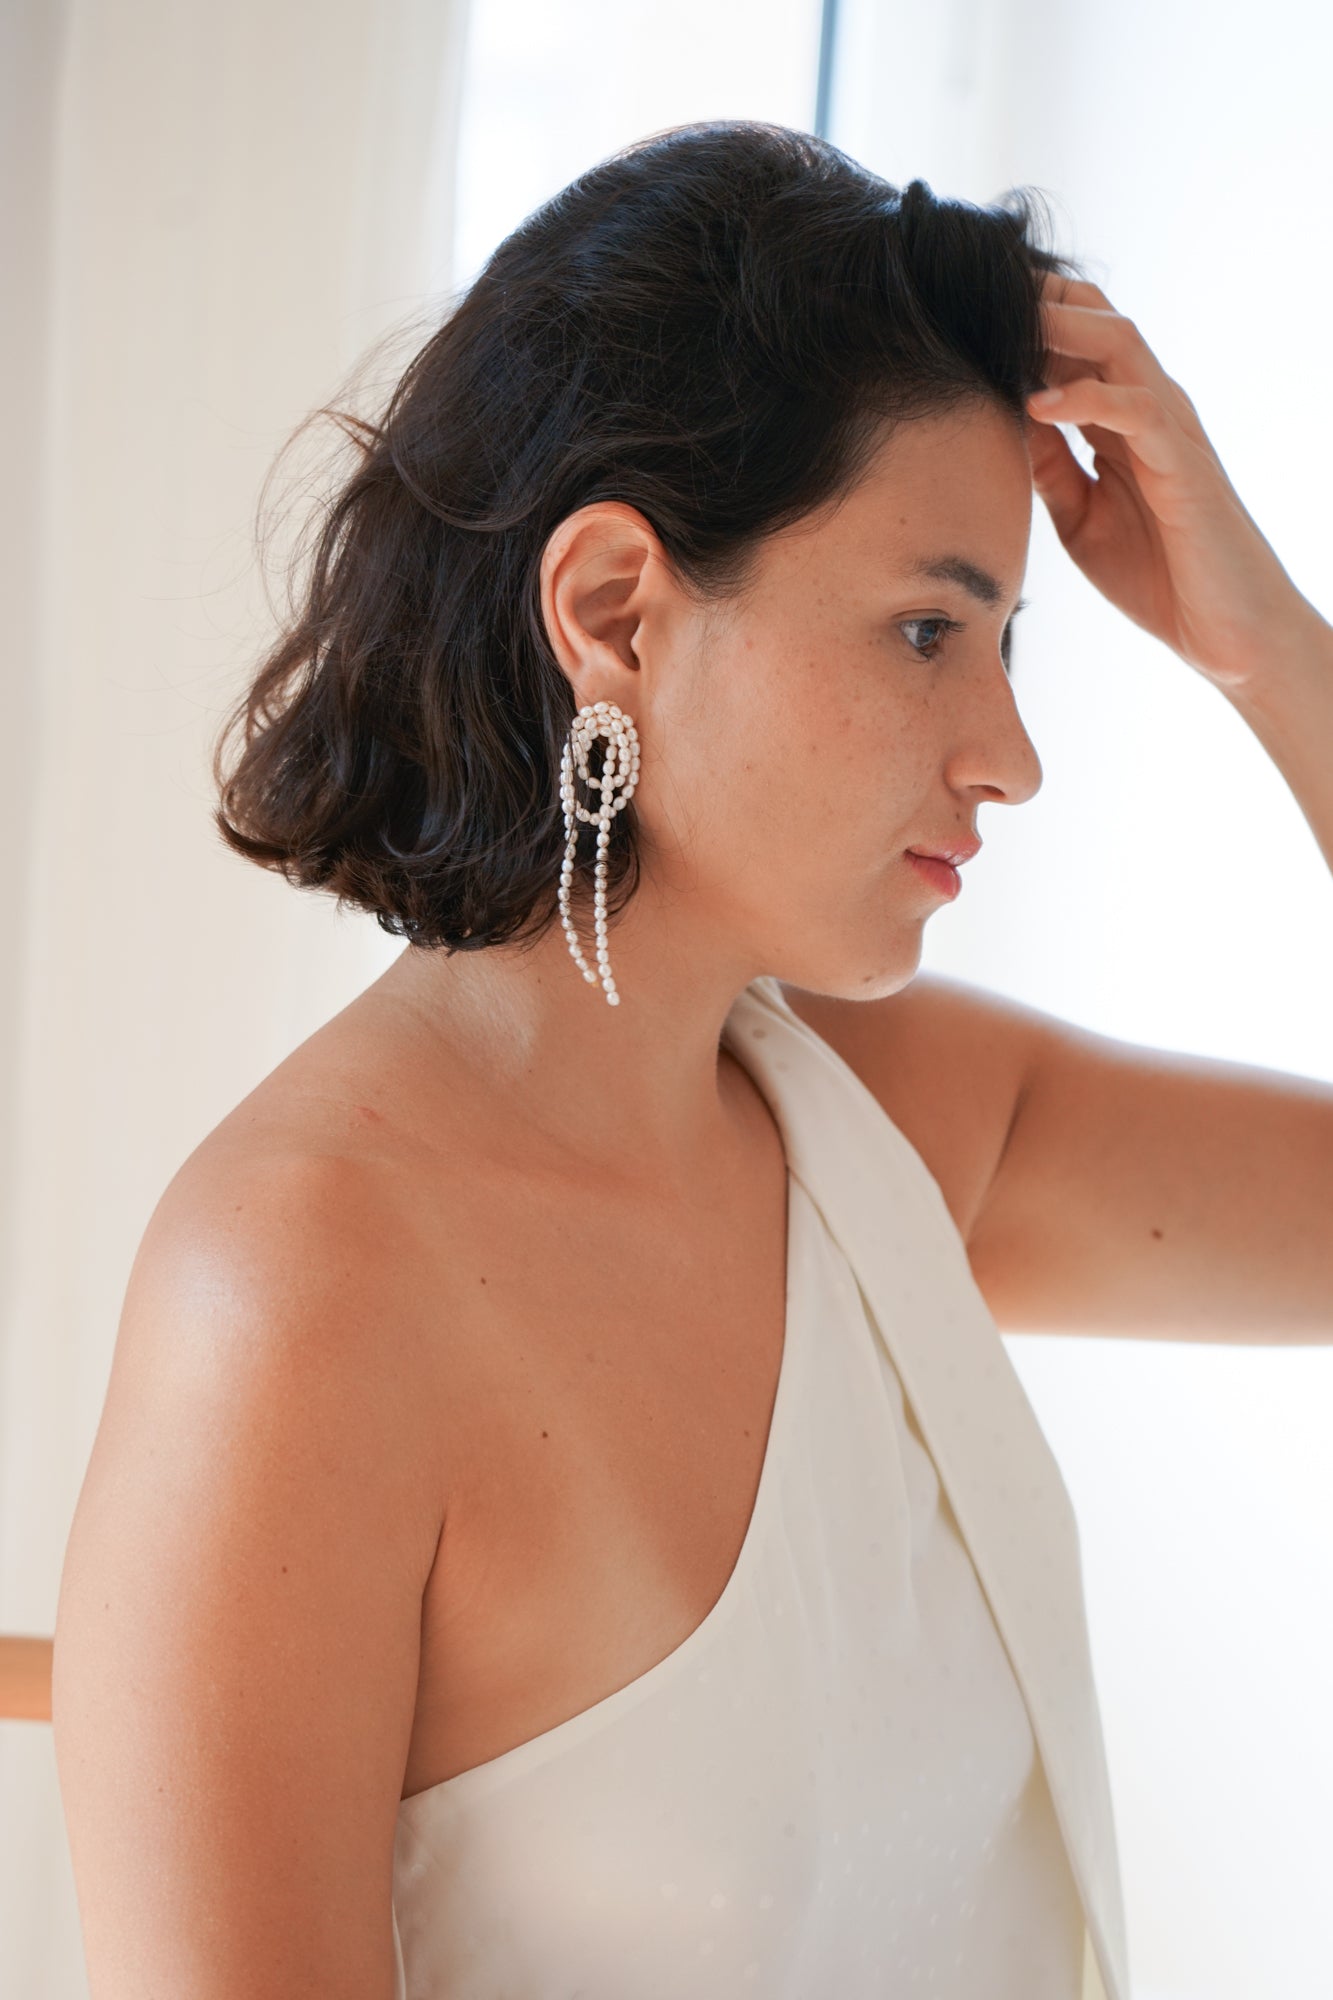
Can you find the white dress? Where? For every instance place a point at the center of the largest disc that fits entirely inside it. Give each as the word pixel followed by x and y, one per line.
pixel 830 1788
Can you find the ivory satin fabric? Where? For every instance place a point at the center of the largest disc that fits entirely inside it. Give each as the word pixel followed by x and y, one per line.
pixel 876 1766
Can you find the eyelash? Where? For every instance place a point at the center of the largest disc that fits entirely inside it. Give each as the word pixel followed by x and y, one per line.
pixel 949 626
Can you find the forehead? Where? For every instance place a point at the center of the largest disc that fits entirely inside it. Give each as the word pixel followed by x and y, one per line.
pixel 946 498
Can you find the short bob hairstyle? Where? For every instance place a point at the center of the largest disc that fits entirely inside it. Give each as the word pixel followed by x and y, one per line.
pixel 719 325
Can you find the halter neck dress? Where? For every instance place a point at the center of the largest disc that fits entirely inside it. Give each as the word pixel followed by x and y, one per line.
pixel 833 1786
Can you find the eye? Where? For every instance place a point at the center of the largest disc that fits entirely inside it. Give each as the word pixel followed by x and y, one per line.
pixel 932 646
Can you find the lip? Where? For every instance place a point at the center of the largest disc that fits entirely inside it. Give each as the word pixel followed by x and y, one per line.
pixel 955 852
pixel 940 875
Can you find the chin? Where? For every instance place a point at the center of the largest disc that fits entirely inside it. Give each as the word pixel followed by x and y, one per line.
pixel 853 976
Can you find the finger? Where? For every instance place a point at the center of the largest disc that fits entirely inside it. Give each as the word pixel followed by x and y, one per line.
pixel 1107 444
pixel 1109 340
pixel 1081 290
pixel 1058 477
pixel 1062 368
pixel 1130 412
pixel 1083 293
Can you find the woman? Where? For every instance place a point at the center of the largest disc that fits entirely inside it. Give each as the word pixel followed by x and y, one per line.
pixel 563 1521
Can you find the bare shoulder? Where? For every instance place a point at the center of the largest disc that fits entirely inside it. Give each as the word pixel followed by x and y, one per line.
pixel 288 1228
pixel 947 1060
pixel 240 1603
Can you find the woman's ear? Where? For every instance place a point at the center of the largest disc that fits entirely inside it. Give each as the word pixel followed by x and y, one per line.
pixel 598 571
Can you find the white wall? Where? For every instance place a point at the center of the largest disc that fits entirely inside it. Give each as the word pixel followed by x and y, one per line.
pixel 552 89
pixel 1164 887
pixel 209 212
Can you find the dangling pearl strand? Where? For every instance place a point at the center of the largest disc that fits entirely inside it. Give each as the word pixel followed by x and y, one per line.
pixel 620 768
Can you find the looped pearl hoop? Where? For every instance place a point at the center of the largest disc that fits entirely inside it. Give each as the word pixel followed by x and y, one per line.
pixel 620 774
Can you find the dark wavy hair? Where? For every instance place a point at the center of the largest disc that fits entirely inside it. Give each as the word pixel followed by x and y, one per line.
pixel 719 325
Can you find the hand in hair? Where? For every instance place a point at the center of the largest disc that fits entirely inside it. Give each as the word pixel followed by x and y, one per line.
pixel 1160 529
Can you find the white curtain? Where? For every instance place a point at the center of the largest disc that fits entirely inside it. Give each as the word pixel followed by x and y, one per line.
pixel 211 212
pixel 1164 887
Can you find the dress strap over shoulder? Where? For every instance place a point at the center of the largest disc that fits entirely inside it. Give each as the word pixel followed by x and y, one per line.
pixel 881 1203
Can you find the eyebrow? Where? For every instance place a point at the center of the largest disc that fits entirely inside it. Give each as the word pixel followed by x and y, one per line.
pixel 978 582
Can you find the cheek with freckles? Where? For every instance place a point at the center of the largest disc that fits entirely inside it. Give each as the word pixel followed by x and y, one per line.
pixel 808 800
pixel 863 758
pixel 795 763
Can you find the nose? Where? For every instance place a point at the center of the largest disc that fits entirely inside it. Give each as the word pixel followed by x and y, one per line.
pixel 993 752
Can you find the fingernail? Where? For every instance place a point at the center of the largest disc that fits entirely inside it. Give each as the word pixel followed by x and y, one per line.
pixel 1045 396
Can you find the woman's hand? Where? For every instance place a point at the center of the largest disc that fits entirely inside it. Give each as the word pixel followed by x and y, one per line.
pixel 1160 530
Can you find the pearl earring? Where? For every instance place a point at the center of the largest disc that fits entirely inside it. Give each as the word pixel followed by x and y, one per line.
pixel 620 769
